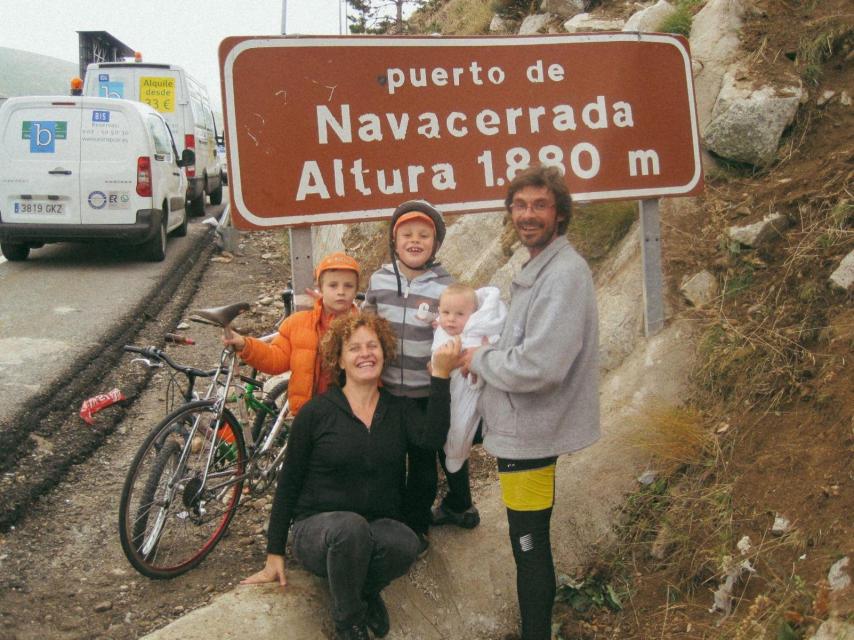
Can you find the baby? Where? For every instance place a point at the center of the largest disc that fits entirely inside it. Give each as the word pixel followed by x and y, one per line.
pixel 472 315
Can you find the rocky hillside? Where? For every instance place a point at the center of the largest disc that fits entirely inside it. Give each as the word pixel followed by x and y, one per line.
pixel 741 528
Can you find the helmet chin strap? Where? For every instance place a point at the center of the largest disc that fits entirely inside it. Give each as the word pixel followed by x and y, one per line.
pixel 394 258
pixel 396 273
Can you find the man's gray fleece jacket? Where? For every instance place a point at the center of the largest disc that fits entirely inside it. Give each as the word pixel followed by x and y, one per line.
pixel 542 377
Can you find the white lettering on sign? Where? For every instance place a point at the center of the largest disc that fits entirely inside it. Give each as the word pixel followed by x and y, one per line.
pixel 535 72
pixel 488 122
pixel 368 124
pixel 387 181
pixel 646 160
pixel 419 77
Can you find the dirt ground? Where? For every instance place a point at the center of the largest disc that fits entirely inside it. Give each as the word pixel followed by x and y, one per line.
pixel 62 571
pixel 773 387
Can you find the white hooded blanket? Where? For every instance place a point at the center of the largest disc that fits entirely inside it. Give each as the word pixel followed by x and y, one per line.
pixel 487 321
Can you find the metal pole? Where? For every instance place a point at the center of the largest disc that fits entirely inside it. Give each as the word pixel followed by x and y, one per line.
pixel 653 281
pixel 302 266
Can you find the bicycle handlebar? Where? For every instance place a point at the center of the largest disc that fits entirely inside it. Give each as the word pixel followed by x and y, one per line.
pixel 159 354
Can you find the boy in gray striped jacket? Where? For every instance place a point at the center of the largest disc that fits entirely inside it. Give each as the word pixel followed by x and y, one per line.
pixel 406 293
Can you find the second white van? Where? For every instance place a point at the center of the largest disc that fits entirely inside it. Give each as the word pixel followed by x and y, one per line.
pixel 83 169
pixel 185 105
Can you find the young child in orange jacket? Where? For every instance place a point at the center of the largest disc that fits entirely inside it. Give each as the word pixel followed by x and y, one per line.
pixel 295 348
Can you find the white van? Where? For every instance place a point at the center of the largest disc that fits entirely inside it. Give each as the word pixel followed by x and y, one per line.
pixel 185 105
pixel 82 169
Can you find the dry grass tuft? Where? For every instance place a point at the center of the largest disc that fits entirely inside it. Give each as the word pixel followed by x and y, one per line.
pixel 454 17
pixel 673 436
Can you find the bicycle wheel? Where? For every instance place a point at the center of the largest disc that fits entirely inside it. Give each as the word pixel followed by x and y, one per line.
pixel 264 418
pixel 156 487
pixel 182 490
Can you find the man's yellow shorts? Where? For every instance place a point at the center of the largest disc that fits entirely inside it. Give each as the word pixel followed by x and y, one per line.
pixel 528 489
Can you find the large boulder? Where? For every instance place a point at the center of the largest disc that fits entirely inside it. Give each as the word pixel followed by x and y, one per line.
pixel 843 275
pixel 649 18
pixel 834 629
pixel 504 276
pixel 714 47
pixel 499 25
pixel 534 24
pixel 563 8
pixel 327 239
pixel 747 122
pixel 700 289
pixel 759 233
pixel 619 296
pixel 472 251
pixel 588 22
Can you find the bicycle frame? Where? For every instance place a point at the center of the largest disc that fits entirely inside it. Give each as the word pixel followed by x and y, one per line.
pixel 260 475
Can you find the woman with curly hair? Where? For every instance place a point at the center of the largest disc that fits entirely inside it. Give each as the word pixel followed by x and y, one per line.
pixel 342 481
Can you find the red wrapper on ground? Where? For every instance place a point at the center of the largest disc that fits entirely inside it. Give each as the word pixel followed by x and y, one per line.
pixel 96 403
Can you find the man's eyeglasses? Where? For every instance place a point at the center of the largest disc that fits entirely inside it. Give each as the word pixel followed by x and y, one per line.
pixel 538 206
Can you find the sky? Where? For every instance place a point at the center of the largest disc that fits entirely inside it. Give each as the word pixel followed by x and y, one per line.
pixel 182 32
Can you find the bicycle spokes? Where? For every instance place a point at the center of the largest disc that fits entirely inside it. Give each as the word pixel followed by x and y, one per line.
pixel 181 494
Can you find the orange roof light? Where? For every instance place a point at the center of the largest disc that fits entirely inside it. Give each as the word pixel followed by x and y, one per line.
pixel 137 56
pixel 76 83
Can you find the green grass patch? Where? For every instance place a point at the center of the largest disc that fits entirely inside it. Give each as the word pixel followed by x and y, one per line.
pixel 595 229
pixel 739 282
pixel 679 22
pixel 842 214
pixel 593 591
pixel 814 49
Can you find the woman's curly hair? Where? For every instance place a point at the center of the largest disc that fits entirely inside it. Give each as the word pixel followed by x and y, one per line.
pixel 340 332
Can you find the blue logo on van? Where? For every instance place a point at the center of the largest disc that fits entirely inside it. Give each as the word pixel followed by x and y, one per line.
pixel 103 77
pixel 43 134
pixel 111 89
pixel 97 199
pixel 100 116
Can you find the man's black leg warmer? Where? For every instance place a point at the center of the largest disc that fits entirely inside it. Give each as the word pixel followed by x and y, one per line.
pixel 535 572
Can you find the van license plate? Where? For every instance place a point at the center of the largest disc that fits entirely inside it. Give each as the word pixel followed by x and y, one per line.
pixel 38 208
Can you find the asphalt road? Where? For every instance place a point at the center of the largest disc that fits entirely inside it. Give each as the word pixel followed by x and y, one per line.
pixel 64 299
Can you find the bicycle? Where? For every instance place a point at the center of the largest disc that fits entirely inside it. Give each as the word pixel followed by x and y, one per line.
pixel 186 481
pixel 246 397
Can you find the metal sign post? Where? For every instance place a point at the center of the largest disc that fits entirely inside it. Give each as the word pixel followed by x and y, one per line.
pixel 302 262
pixel 302 265
pixel 653 281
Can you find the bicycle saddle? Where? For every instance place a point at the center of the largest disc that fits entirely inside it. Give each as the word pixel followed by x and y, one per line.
pixel 222 316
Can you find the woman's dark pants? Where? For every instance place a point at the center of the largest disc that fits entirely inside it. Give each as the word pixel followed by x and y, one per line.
pixel 358 558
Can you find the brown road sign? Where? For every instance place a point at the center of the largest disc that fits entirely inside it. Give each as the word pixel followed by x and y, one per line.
pixel 324 130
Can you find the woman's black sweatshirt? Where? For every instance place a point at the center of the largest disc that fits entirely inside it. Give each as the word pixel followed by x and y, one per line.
pixel 334 463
